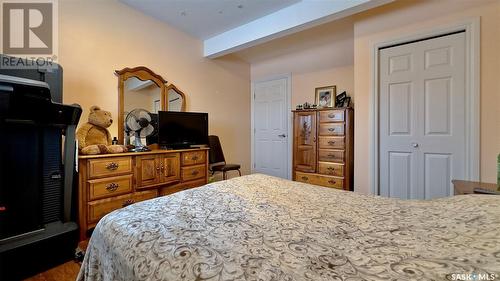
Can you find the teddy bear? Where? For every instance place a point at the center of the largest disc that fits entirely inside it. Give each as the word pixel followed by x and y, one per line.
pixel 93 137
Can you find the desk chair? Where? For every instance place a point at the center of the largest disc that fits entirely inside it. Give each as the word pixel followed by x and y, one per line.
pixel 216 158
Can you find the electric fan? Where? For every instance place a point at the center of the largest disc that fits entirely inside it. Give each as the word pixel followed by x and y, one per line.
pixel 139 122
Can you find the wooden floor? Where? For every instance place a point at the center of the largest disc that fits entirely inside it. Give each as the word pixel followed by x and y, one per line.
pixel 64 272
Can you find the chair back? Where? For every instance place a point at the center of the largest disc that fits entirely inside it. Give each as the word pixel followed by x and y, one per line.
pixel 215 154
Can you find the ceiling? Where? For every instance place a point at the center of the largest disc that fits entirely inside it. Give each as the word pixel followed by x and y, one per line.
pixel 206 18
pixel 324 46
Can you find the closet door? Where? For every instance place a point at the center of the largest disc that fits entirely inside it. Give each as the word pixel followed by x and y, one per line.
pixel 304 141
pixel 422 117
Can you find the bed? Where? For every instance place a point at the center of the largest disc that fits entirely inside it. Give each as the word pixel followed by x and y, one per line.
pixel 259 227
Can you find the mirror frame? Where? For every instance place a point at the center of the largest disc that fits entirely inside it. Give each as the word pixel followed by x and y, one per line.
pixel 142 73
pixel 181 93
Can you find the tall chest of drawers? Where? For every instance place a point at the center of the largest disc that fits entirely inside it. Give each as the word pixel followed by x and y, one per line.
pixel 323 147
pixel 111 181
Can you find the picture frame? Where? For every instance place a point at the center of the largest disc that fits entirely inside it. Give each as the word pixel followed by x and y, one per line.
pixel 325 96
pixel 346 102
pixel 339 99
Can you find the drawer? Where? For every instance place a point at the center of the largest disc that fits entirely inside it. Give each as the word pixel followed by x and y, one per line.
pixel 167 190
pixel 328 181
pixel 331 129
pixel 331 169
pixel 193 183
pixel 109 166
pixel 145 195
pixel 193 172
pixel 193 158
pixel 331 142
pixel 331 116
pixel 328 155
pixel 182 186
pixel 304 177
pixel 98 209
pixel 108 187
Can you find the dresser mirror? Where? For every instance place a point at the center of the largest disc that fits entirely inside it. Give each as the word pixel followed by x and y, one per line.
pixel 176 100
pixel 141 88
pixel 138 88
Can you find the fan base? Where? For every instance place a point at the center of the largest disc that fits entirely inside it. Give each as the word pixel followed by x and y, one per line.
pixel 139 149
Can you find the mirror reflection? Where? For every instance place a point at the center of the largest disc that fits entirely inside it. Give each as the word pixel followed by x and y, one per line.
pixel 174 100
pixel 143 100
pixel 141 94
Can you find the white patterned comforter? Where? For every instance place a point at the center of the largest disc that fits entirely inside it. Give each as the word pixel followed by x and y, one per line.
pixel 263 228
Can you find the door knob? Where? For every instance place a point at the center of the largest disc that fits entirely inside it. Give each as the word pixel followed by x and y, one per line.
pixel 414 144
pixel 282 135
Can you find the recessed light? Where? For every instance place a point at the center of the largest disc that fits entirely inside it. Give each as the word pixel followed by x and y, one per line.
pixel 183 13
pixel 221 12
pixel 240 6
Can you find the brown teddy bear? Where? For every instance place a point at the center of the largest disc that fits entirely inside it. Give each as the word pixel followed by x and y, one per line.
pixel 93 137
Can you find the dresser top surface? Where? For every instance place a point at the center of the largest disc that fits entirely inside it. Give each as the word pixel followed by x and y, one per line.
pixel 153 151
pixel 322 109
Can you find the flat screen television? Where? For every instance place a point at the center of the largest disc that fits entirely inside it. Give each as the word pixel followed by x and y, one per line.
pixel 182 129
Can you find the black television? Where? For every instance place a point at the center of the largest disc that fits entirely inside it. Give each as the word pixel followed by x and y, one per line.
pixel 178 130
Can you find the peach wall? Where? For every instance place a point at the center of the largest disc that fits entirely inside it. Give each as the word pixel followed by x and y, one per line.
pixel 407 17
pixel 98 37
pixel 316 57
pixel 304 84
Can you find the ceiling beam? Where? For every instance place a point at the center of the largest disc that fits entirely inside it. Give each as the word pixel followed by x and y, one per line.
pixel 294 18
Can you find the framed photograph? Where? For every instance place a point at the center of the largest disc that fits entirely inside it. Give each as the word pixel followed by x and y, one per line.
pixel 346 102
pixel 325 96
pixel 339 100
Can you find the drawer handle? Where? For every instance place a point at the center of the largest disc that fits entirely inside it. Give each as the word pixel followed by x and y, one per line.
pixel 332 182
pixel 331 168
pixel 162 167
pixel 194 158
pixel 112 187
pixel 305 178
pixel 331 115
pixel 331 129
pixel 331 155
pixel 195 172
pixel 157 168
pixel 127 202
pixel 331 142
pixel 112 166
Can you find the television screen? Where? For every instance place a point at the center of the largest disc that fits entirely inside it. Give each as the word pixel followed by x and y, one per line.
pixel 182 129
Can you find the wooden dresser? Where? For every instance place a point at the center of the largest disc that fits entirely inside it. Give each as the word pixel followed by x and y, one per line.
pixel 111 181
pixel 323 147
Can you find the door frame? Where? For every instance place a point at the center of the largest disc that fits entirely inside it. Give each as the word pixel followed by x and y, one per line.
pixel 472 94
pixel 288 77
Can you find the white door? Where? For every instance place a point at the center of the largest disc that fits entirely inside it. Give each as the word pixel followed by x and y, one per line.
pixel 422 117
pixel 271 128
